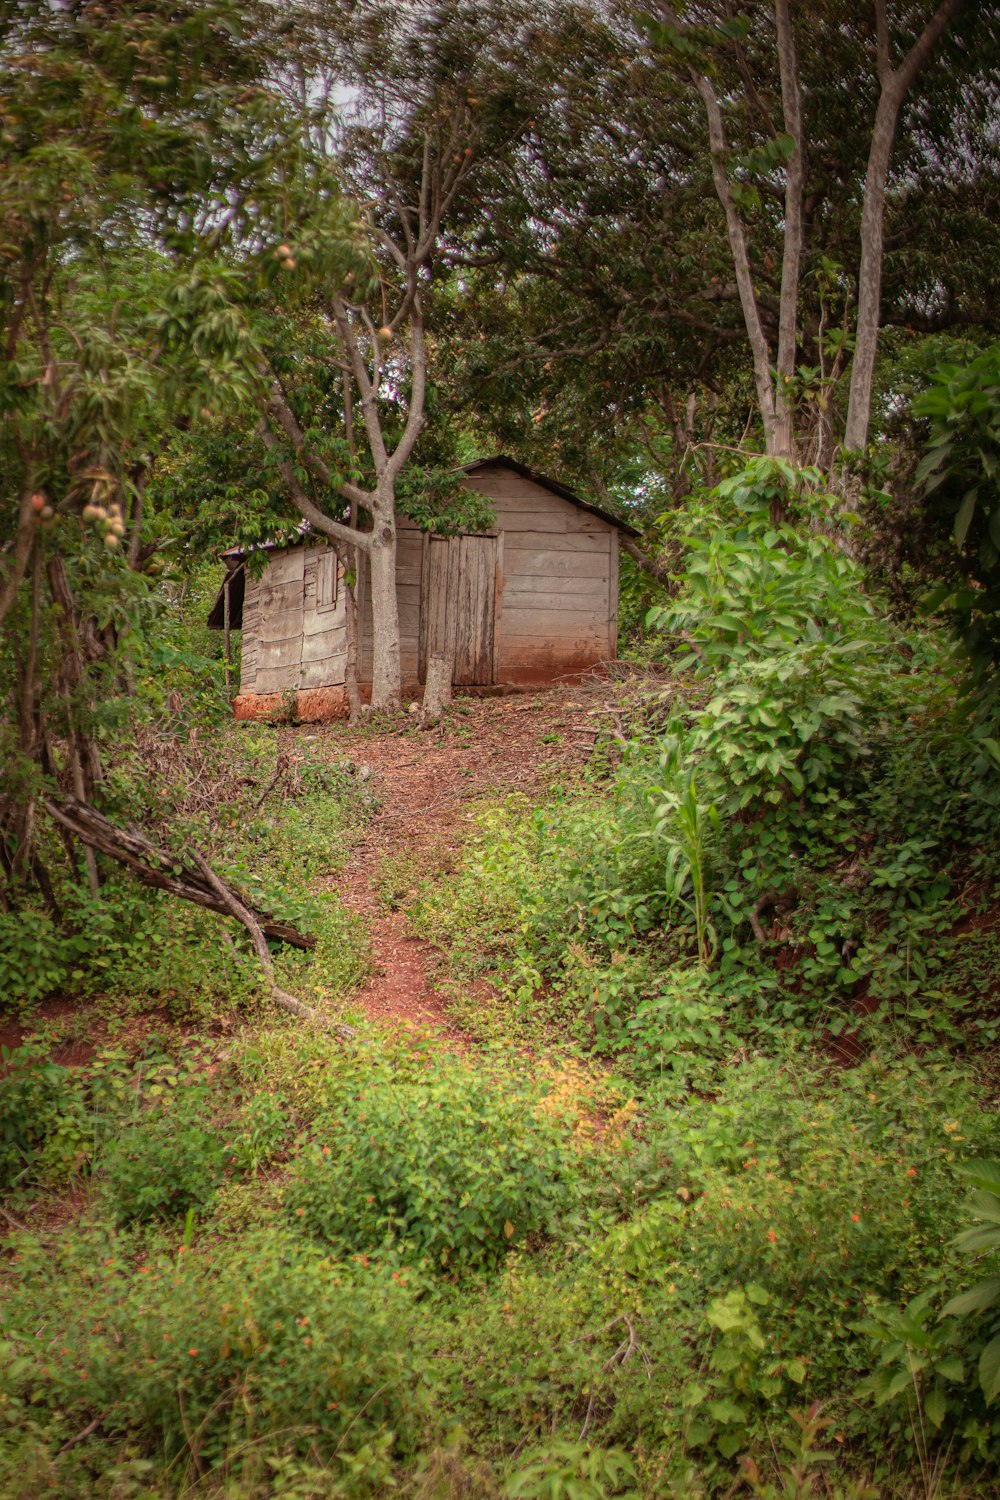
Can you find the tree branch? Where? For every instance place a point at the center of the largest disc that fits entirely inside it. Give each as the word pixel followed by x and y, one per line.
pixel 310 512
pixel 279 409
pixel 156 867
pixel 648 564
pixel 235 908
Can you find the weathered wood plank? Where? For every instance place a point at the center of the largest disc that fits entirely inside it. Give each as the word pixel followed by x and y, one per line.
pixel 613 549
pixel 321 621
pixel 275 680
pixel 433 631
pixel 324 643
pixel 569 541
pixel 328 672
pixel 279 625
pixel 281 597
pixel 543 586
pixel 579 565
pixel 557 623
pixel 498 598
pixel 286 654
pixel 554 645
pixel 285 567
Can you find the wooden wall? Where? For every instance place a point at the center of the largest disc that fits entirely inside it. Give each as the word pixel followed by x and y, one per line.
pixel 559 605
pixel 287 642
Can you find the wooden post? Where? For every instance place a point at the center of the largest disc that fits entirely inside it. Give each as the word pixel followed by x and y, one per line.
pixel 225 621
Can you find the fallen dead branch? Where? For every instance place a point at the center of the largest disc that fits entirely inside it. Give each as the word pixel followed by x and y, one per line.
pixel 191 880
pixel 236 908
pixel 156 867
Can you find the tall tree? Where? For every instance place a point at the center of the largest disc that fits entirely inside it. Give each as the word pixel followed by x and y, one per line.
pixel 136 137
pixel 403 106
pixel 707 42
pixel 601 267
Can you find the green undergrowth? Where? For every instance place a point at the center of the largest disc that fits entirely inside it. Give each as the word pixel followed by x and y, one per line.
pixel 275 818
pixel 646 1235
pixel 314 1270
pixel 801 833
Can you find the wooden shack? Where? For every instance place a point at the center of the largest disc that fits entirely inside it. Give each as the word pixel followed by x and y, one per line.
pixel 532 599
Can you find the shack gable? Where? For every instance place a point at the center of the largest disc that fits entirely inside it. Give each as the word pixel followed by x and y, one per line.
pixel 559 593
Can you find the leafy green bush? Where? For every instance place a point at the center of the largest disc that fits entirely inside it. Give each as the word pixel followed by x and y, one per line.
pixel 960 473
pixel 572 1471
pixel 984 1205
pixel 169 1160
pixel 777 619
pixel 456 1168
pixel 33 957
pixel 33 1099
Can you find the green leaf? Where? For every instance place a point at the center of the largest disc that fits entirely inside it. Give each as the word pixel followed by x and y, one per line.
pixel 982 1295
pixel 964 518
pixel 935 1407
pixel 983 1173
pixel 987 1238
pixel 731 1442
pixel 725 1410
pixel 989 1369
pixel 985 1205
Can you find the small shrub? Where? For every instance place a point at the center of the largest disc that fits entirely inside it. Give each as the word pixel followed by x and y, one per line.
pixel 224 1361
pixel 34 958
pixel 168 1161
pixel 572 1471
pixel 776 617
pixel 33 1100
pixel 456 1168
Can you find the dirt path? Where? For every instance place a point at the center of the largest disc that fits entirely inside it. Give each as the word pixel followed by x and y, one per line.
pixel 426 783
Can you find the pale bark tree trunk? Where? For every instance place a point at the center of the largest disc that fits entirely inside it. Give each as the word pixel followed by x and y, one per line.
pixel 353 570
pixel 791 263
pixel 437 688
pixel 895 85
pixel 386 673
pixel 364 350
pixel 773 385
pixel 759 350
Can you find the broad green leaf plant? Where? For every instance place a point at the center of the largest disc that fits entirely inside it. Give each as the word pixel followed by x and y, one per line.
pixel 985 1295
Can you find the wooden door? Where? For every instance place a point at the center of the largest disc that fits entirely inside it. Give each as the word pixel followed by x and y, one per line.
pixel 458 605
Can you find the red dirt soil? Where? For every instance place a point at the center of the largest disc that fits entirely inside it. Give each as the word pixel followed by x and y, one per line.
pixel 426 782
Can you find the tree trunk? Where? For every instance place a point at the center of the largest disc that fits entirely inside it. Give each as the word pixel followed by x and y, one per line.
pixel 791 264
pixel 437 688
pixel 759 350
pixel 870 271
pixel 895 84
pixel 386 673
